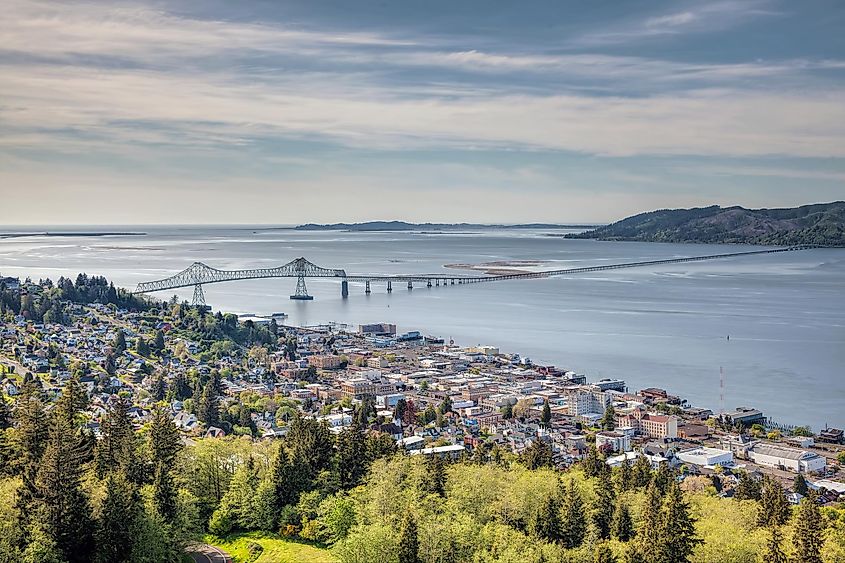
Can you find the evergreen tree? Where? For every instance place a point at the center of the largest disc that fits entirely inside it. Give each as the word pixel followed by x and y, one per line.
pixel 800 485
pixel 538 454
pixel 604 506
pixel 507 411
pixel 29 440
pixel 625 477
pixel 5 413
pixel 573 521
pixel 603 554
pixel 748 488
pixel 399 409
pixel 594 464
pixel 118 513
pixel 158 342
pixel 281 475
pixel 774 551
pixel 545 523
pixel 649 535
pixel 435 476
pixel 546 418
pixel 208 408
pixel 116 448
pixel 164 493
pixel 163 440
pixel 181 388
pixel 61 505
pixel 159 389
pixel 350 456
pixel 608 421
pixel 119 343
pixel 678 539
pixel 809 527
pixel 312 442
pixel 623 525
pixel 409 543
pixel 641 472
pixel 663 477
pixel 774 508
pixel 73 400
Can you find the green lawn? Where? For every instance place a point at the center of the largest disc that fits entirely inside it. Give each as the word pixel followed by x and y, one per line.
pixel 276 549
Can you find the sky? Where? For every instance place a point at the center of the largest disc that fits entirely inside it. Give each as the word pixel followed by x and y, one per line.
pixel 294 111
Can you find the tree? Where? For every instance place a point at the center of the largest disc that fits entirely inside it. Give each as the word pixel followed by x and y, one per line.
pixel 538 454
pixel 30 438
pixel 625 477
pixel 142 347
pixel 809 527
pixel 350 456
pixel 678 539
pixel 748 488
pixel 399 409
pixel 573 521
pixel 593 463
pixel 61 505
pixel 774 552
pixel 507 411
pixel 800 485
pixel 5 413
pixel 116 448
pixel 73 400
pixel 435 476
pixel 641 472
pixel 603 554
pixel 604 506
pixel 546 418
pixel 623 525
pixel 163 440
pixel 409 545
pixel 208 408
pixel 119 343
pixel 649 535
pixel 158 342
pixel 545 523
pixel 118 513
pixel 159 389
pixel 774 508
pixel 608 421
pixel 164 493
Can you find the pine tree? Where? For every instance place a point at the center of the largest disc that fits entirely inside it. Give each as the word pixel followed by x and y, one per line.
pixel 350 456
pixel 594 463
pixel 29 440
pixel 118 513
pixel 159 388
pixel 748 488
pixel 608 421
pixel 507 411
pixel 163 440
pixel 649 535
pixel 116 448
pixel 119 343
pixel 641 472
pixel 158 342
pixel 809 527
pixel 538 454
pixel 800 485
pixel 181 388
pixel 208 408
pixel 545 523
pixel 774 508
pixel 164 493
pixel 73 400
pixel 409 544
pixel 5 413
pixel 546 418
pixel 603 554
pixel 624 477
pixel 623 524
pixel 774 551
pixel 678 539
pixel 142 347
pixel 662 478
pixel 573 521
pixel 604 506
pixel 435 476
pixel 61 505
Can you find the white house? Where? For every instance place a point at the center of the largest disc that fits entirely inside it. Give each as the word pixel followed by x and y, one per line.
pixel 706 457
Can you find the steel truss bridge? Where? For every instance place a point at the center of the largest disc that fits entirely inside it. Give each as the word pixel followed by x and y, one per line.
pixel 198 274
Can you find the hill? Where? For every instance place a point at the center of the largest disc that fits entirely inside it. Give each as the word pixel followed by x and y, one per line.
pixel 822 224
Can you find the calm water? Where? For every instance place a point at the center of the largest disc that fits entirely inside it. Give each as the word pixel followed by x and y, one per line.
pixel 661 326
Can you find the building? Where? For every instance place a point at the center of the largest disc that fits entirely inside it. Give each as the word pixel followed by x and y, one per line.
pixel 378 329
pixel 745 416
pixel 583 402
pixel 650 424
pixel 799 461
pixel 706 457
pixel 329 361
pixel 615 441
pixel 610 385
pixel 361 388
pixel 832 436
pixel 453 452
pixel 377 362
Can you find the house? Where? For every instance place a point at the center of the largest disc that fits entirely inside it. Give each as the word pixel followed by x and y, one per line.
pixel 214 432
pixel 411 443
pixel 832 436
pixel 799 461
pixel 186 421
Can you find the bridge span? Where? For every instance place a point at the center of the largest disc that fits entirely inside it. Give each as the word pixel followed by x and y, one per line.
pixel 198 274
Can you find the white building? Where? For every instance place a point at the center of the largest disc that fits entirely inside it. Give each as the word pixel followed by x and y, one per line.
pixel 582 402
pixel 706 457
pixel 800 461
pixel 617 441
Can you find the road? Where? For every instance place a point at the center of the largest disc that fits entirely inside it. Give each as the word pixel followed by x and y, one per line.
pixel 204 553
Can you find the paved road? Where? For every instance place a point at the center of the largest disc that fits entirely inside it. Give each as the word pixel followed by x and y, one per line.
pixel 204 553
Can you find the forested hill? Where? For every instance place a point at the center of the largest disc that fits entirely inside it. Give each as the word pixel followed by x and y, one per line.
pixel 822 224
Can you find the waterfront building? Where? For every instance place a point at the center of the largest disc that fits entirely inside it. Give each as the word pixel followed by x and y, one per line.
pixel 799 461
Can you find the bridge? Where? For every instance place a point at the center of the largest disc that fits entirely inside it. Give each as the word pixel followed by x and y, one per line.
pixel 198 274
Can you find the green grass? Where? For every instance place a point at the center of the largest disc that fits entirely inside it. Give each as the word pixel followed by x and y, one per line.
pixel 276 549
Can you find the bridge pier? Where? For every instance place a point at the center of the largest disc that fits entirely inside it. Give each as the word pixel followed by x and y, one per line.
pixel 389 287
pixel 367 287
pixel 437 282
pixel 301 293
pixel 344 289
pixel 199 297
pixel 453 281
pixel 428 284
pixel 410 284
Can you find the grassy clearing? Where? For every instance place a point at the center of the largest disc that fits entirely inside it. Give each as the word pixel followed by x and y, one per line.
pixel 276 549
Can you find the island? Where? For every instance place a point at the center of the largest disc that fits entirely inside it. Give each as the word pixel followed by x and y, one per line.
pixel 819 224
pixel 405 226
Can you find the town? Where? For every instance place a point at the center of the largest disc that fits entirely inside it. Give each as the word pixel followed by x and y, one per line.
pixel 223 375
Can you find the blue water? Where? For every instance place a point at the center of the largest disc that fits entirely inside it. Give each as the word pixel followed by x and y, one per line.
pixel 663 326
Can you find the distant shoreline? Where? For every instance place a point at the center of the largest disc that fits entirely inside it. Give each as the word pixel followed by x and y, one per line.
pixel 394 226
pixel 69 234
